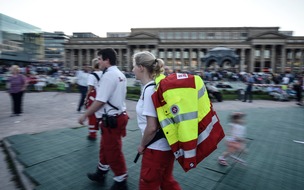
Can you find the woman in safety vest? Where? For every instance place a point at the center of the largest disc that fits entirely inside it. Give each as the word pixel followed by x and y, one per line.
pixel 158 159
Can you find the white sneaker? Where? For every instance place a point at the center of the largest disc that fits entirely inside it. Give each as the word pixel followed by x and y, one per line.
pixel 222 161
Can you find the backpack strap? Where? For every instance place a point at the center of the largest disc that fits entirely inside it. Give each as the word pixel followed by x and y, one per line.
pixel 112 105
pixel 97 77
pixel 152 84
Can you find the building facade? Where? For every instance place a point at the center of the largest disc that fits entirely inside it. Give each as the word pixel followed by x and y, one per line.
pixel 259 48
pixel 54 48
pixel 20 43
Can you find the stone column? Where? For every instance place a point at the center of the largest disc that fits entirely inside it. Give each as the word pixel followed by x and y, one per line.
pixel 190 57
pixel 80 58
pixel 129 63
pixel 65 64
pixel 173 59
pixel 182 58
pixel 165 54
pixel 201 65
pixel 89 61
pixel 242 61
pixel 120 59
pixel 262 58
pixel 72 62
pixel 273 54
pixel 302 59
pixel 293 52
pixel 156 52
pixel 283 59
pixel 252 61
pixel 95 51
pixel 198 66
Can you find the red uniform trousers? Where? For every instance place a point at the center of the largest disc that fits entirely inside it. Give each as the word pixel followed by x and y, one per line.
pixel 157 171
pixel 110 152
pixel 92 121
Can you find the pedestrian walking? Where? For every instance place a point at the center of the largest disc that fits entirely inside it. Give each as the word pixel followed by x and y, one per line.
pixel 110 107
pixel 298 88
pixel 82 82
pixel 93 82
pixel 17 84
pixel 158 159
pixel 248 92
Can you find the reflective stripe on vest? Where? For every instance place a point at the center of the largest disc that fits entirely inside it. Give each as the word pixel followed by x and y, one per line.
pixel 179 118
pixel 201 92
pixel 202 136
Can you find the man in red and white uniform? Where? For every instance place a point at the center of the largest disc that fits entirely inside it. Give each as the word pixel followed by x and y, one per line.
pixel 93 81
pixel 110 106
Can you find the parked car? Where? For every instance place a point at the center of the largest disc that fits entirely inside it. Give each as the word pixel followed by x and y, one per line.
pixel 213 92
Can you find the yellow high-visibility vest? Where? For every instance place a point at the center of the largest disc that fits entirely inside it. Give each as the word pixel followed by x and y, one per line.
pixel 186 116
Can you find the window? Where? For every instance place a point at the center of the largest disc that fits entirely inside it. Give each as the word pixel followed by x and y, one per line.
pixel 226 35
pixel 298 55
pixel 186 35
pixel 289 55
pixel 201 35
pixel 178 35
pixel 169 54
pixel 162 35
pixel 154 52
pixel 193 35
pixel 178 54
pixel 267 54
pixel 161 54
pixel 244 34
pixel 235 35
pixel 170 35
pixel 218 35
pixel 257 53
pixel 186 55
pixel 211 35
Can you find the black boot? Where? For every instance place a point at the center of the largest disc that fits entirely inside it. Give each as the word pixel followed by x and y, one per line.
pixel 99 176
pixel 120 185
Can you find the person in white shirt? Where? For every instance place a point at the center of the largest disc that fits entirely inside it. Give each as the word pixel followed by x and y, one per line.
pixel 93 83
pixel 158 159
pixel 82 82
pixel 110 106
pixel 285 80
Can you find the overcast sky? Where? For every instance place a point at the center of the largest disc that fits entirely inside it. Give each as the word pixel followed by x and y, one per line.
pixel 102 16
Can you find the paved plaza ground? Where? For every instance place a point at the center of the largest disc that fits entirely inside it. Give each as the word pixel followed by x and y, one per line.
pixel 50 150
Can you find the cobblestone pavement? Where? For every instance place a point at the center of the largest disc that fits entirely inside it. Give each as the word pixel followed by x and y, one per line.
pixel 46 111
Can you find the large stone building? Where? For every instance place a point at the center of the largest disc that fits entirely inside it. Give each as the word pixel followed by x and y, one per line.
pixel 258 48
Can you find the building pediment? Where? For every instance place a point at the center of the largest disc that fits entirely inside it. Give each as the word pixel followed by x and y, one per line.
pixel 142 38
pixel 142 35
pixel 269 35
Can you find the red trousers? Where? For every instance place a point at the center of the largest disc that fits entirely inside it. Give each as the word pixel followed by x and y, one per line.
pixel 110 152
pixel 157 171
pixel 92 121
pixel 91 98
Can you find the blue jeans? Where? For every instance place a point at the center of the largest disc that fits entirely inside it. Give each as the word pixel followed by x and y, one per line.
pixel 83 92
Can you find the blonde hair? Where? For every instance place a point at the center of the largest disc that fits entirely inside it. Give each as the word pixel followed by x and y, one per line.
pixel 154 66
pixel 95 63
pixel 15 68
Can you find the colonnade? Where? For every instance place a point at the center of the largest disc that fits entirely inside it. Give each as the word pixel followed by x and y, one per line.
pixel 256 58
